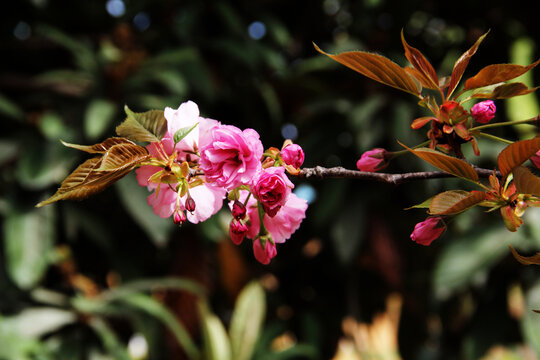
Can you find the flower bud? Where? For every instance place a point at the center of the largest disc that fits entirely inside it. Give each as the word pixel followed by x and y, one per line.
pixel 536 159
pixel 293 155
pixel 483 111
pixel 428 230
pixel 373 160
pixel 179 217
pixel 190 204
pixel 264 249
pixel 238 210
pixel 237 231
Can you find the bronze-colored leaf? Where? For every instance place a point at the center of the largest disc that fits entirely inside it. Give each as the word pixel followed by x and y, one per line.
pixel 525 181
pixel 526 260
pixel 418 123
pixel 511 220
pixel 497 73
pixel 455 201
pixel 421 78
pixel 89 178
pixel 461 64
pixel 516 154
pixel 378 68
pixel 426 73
pixel 505 91
pixel 446 163
pixel 100 148
pixel 149 126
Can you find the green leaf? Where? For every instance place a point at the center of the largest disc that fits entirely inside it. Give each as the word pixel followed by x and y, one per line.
pixel 378 68
pixel 10 108
pixel 28 242
pixel 183 132
pixel 216 342
pixel 467 259
pixel 446 163
pixel 247 321
pixel 109 339
pixel 98 117
pixel 34 322
pixel 149 126
pixel 423 205
pixel 516 154
pixel 455 201
pixel 133 198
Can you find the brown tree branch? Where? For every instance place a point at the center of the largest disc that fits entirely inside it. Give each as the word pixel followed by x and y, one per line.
pixel 319 172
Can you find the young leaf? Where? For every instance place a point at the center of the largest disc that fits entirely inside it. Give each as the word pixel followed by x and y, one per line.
pixel 426 74
pixel 123 156
pixel 515 154
pixel 149 126
pixel 183 132
pixel 525 181
pixel 461 64
pixel 525 260
pixel 497 73
pixel 217 345
pixel 423 205
pixel 378 68
pixel 418 123
pixel 449 164
pixel 100 148
pixel 455 201
pixel 505 91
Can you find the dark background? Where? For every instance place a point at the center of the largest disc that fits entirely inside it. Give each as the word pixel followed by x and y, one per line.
pixel 69 67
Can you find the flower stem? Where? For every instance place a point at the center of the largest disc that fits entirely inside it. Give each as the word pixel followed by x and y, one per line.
pixel 496 138
pixel 506 123
pixel 395 154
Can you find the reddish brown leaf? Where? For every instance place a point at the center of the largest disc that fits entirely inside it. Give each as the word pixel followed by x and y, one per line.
pixel 378 68
pixel 426 72
pixel 497 73
pixel 422 79
pixel 516 154
pixel 525 181
pixel 100 148
pixel 505 91
pixel 449 164
pixel 461 64
pixel 455 201
pixel 526 260
pixel 418 123
pixel 123 156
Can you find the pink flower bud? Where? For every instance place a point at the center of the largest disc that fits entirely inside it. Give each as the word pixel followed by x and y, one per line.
pixel 483 111
pixel 179 217
pixel 238 210
pixel 372 160
pixel 536 159
pixel 428 230
pixel 237 231
pixel 190 204
pixel 293 155
pixel 272 188
pixel 264 253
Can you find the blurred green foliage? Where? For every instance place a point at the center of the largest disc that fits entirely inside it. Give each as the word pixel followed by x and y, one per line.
pixel 74 276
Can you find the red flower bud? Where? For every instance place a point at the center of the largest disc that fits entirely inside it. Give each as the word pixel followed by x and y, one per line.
pixel 372 160
pixel 179 217
pixel 190 204
pixel 484 111
pixel 238 210
pixel 237 231
pixel 428 230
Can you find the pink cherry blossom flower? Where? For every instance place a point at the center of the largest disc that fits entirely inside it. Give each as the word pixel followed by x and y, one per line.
pixel 372 160
pixel 230 157
pixel 293 155
pixel 483 111
pixel 264 255
pixel 272 188
pixel 237 231
pixel 428 230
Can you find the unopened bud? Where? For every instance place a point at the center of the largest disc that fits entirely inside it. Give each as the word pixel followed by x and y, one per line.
pixel 179 217
pixel 190 204
pixel 237 231
pixel 293 155
pixel 238 210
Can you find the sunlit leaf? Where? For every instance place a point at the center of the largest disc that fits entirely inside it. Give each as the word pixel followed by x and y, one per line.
pixel 421 78
pixel 34 322
pixel 516 154
pixel 28 242
pixel 418 123
pixel 511 220
pixel 96 174
pixel 446 163
pixel 505 91
pixel 497 73
pixel 423 205
pixel 525 260
pixel 183 132
pixel 426 73
pixel 461 64
pixel 148 126
pixel 525 181
pixel 455 201
pixel 247 321
pixel 100 148
pixel 378 68
pixel 217 345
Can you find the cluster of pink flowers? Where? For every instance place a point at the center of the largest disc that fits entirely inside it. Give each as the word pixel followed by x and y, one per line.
pixel 194 175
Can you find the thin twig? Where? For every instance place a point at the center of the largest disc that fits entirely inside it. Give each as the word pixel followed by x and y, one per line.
pixel 320 172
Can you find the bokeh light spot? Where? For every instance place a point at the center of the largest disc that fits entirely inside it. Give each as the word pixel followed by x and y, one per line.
pixel 115 8
pixel 141 21
pixel 22 30
pixel 257 30
pixel 306 192
pixel 289 131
